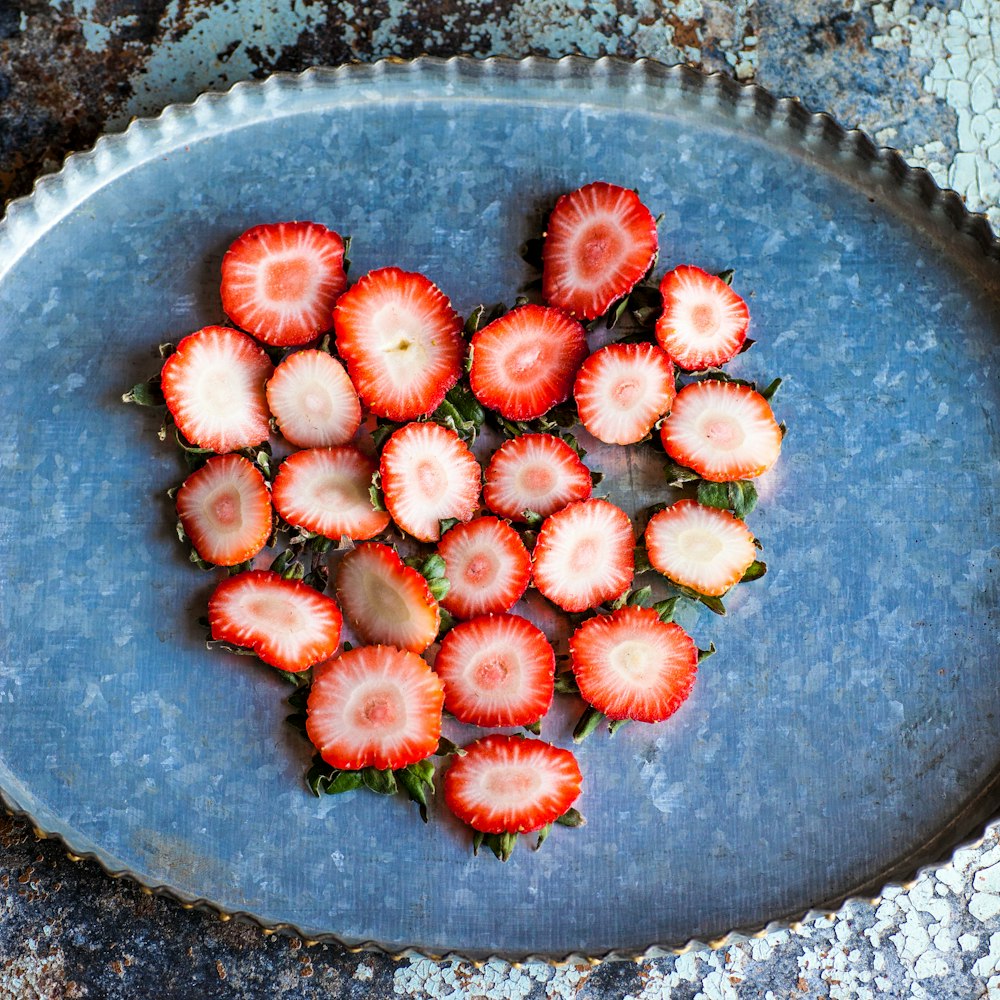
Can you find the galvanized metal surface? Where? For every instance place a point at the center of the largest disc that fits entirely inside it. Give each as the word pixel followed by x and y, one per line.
pixel 852 739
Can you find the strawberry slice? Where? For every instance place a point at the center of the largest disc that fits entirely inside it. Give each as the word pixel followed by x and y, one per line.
pixel 632 665
pixel 281 280
pixel 313 400
pixel 622 390
pixel 487 566
pixel 374 706
pixel 385 600
pixel 721 430
pixel 704 322
pixel 428 475
pixel 286 623
pixel 584 555
pixel 535 472
pixel 699 547
pixel 506 784
pixel 599 242
pixel 523 363
pixel 498 670
pixel 401 340
pixel 225 510
pixel 327 491
pixel 213 385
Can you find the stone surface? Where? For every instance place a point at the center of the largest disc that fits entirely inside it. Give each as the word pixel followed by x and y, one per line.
pixel 922 76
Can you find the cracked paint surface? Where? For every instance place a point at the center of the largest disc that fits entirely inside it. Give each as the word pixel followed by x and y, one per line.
pixel 922 75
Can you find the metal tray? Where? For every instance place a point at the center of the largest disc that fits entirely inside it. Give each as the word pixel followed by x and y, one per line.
pixel 844 734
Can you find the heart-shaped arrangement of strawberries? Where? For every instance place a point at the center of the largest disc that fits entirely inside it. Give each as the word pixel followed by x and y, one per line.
pixel 382 404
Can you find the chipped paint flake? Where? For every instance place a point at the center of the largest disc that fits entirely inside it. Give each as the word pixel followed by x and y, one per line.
pixel 962 45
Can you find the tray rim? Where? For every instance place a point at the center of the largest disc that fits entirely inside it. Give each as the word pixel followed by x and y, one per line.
pixel 53 191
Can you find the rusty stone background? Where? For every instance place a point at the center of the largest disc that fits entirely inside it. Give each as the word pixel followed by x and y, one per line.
pixel 920 75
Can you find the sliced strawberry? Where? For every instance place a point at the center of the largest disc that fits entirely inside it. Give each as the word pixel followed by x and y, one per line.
pixel 225 510
pixel 699 547
pixel 385 600
pixel 327 491
pixel 535 472
pixel 281 280
pixel 428 475
pixel 632 665
pixel 401 340
pixel 600 240
pixel 721 430
pixel 506 784
pixel 313 400
pixel 704 322
pixel 622 390
pixel 374 706
pixel 584 555
pixel 488 567
pixel 214 388
pixel 286 623
pixel 524 363
pixel 498 670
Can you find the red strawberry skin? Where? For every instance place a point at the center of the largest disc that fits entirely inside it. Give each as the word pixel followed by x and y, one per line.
pixel 225 510
pixel 584 555
pixel 632 665
pixel 524 363
pixel 599 242
pixel 280 281
pixel 536 472
pixel 488 567
pixel 498 670
pixel 213 385
pixel 505 784
pixel 402 342
pixel 287 623
pixel 374 706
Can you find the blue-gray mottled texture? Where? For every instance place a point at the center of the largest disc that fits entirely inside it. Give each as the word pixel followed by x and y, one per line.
pixel 842 802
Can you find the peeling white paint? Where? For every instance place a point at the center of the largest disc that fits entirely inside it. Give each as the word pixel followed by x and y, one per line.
pixel 963 47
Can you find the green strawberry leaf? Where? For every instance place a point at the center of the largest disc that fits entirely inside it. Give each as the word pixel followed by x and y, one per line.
pixel 754 571
pixel 146 393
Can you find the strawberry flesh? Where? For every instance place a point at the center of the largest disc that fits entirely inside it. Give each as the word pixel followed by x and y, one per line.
pixel 225 510
pixel 524 363
pixel 599 242
pixel 505 784
pixel 213 385
pixel 699 547
pixel 497 670
pixel 287 623
pixel 584 555
pixel 313 400
pixel 402 342
pixel 385 600
pixel 632 665
pixel 704 322
pixel 487 566
pixel 534 472
pixel 374 706
pixel 327 491
pixel 722 430
pixel 428 475
pixel 280 281
pixel 622 390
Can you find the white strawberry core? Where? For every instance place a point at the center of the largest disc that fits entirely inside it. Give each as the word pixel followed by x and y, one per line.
pixel 491 672
pixel 632 659
pixel 704 319
pixel 402 337
pixel 383 600
pixel 699 545
pixel 536 480
pixel 480 569
pixel 602 246
pixel 378 707
pixel 316 401
pixel 339 491
pixel 287 279
pixel 270 613
pixel 431 478
pixel 723 431
pixel 510 782
pixel 226 509
pixel 585 551
pixel 627 392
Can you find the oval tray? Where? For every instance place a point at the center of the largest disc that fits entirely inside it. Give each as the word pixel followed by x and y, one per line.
pixel 843 735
